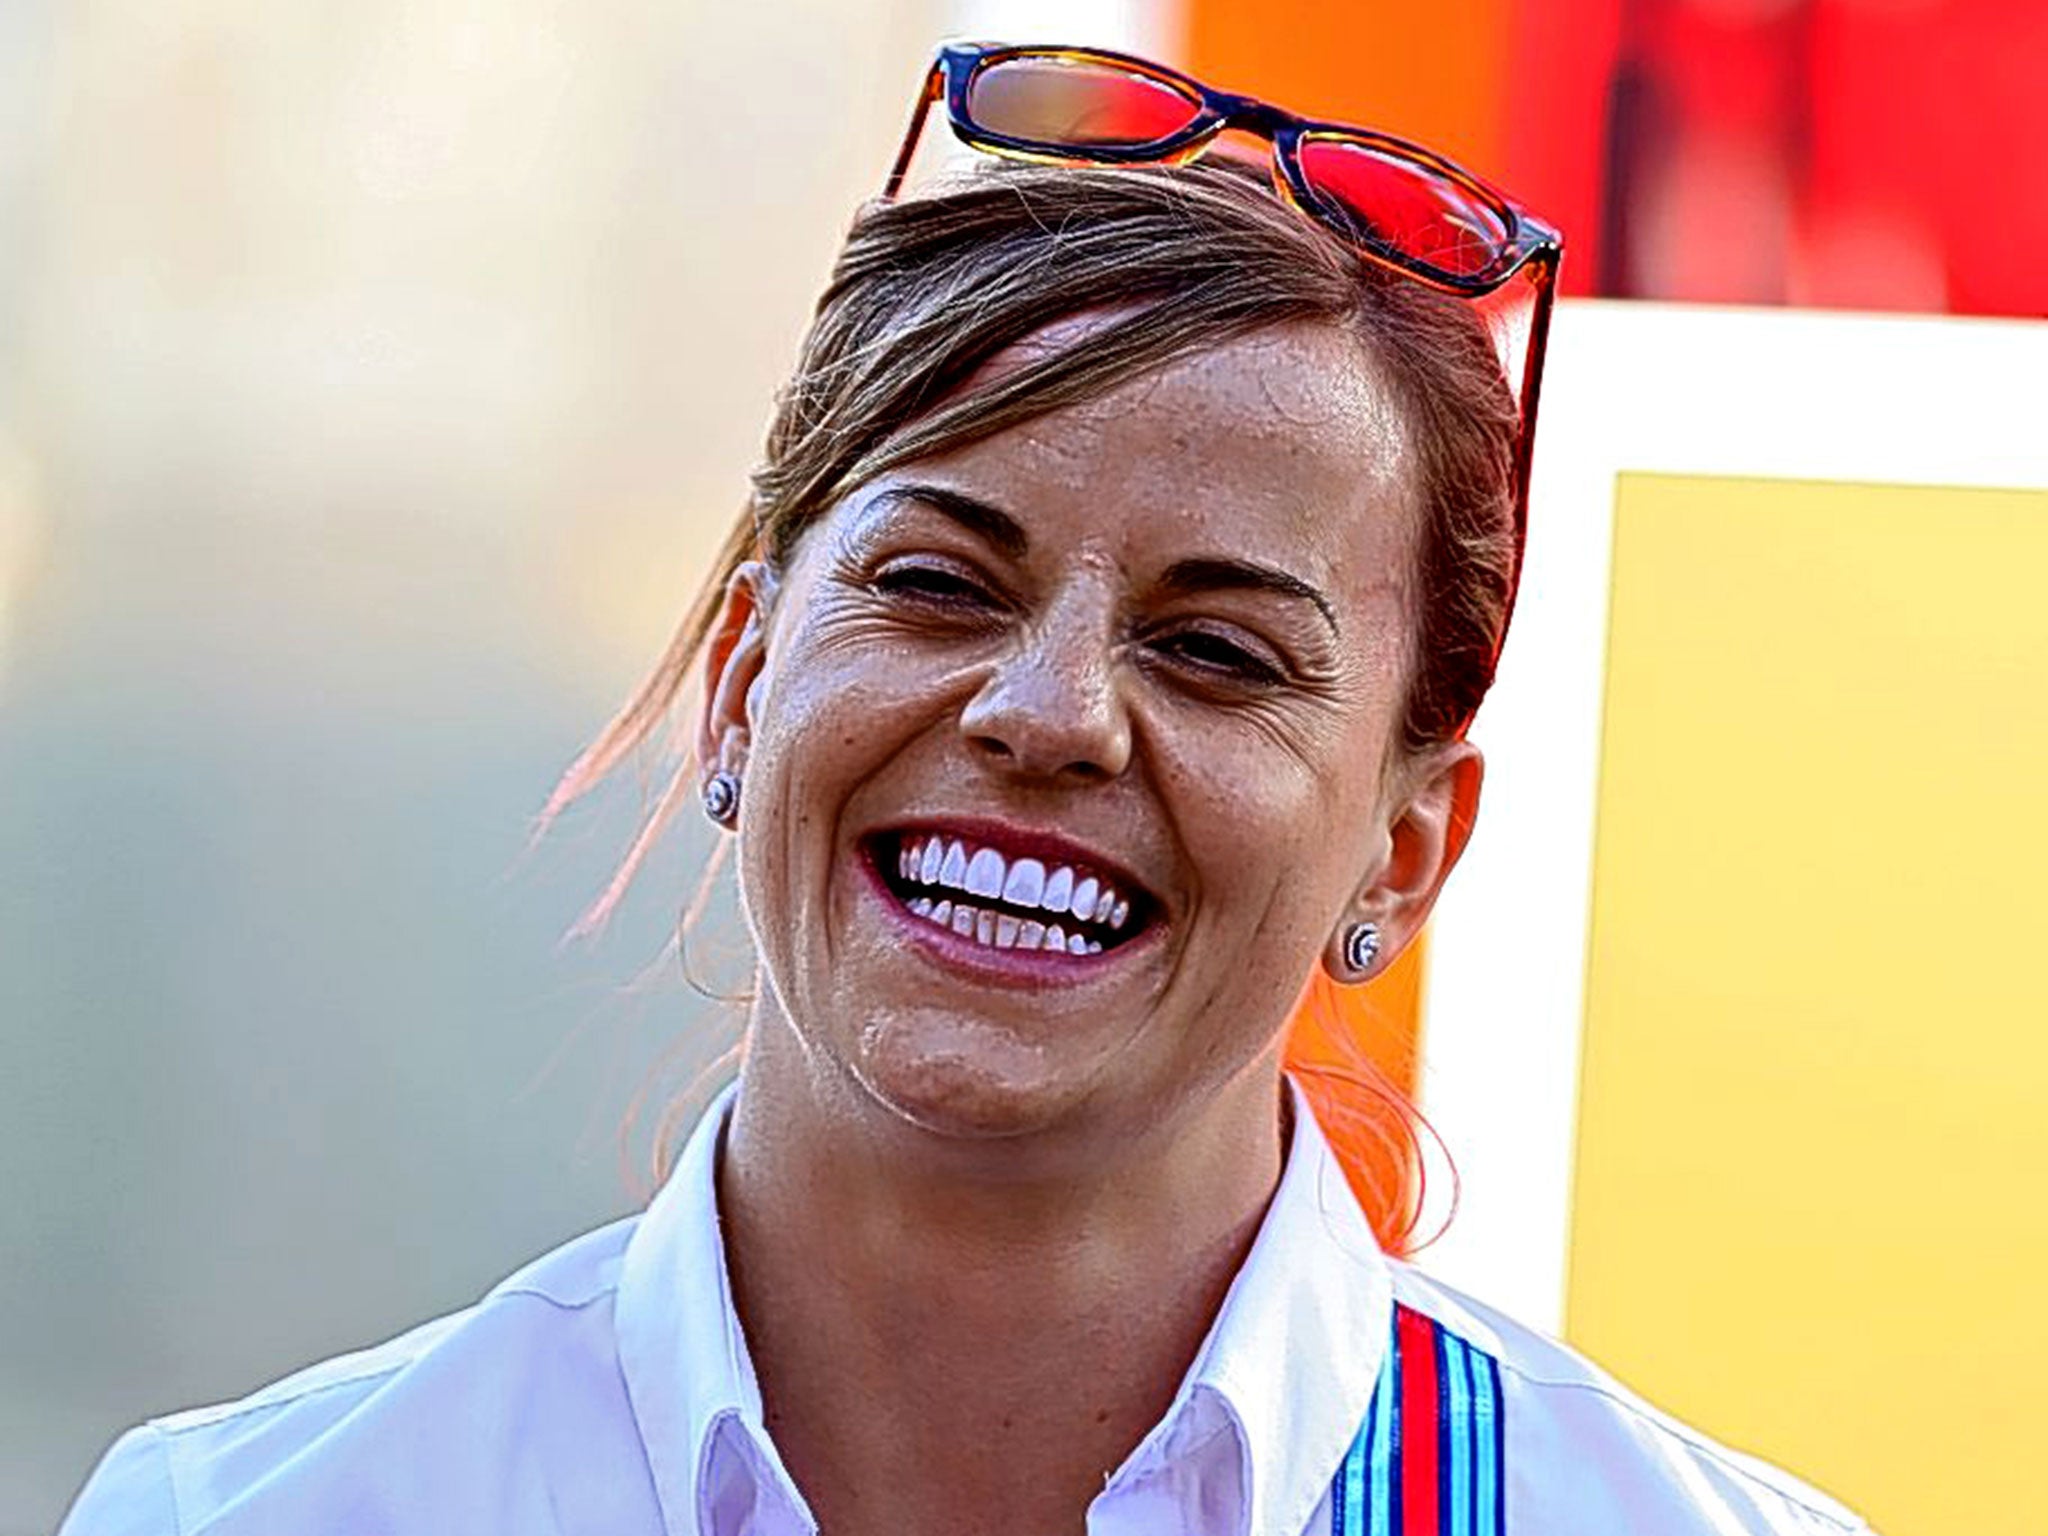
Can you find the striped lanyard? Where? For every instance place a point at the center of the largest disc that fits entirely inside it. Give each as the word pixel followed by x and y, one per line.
pixel 1427 1459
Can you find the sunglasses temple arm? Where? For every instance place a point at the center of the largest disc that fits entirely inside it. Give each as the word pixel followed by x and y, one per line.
pixel 934 87
pixel 1525 448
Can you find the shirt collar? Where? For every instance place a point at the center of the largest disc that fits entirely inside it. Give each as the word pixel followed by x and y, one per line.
pixel 1278 1387
pixel 1296 1346
pixel 688 1374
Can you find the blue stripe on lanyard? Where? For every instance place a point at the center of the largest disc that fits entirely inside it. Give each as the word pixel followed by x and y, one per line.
pixel 1488 1426
pixel 1344 1489
pixel 1354 1479
pixel 1457 1439
pixel 1386 1442
pixel 1347 1493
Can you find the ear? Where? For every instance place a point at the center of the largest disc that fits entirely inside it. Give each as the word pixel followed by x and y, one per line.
pixel 1425 834
pixel 735 656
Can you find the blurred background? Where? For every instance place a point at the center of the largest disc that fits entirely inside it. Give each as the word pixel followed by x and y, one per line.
pixel 375 380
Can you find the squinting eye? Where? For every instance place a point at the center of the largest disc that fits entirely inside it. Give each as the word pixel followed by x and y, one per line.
pixel 1212 653
pixel 930 583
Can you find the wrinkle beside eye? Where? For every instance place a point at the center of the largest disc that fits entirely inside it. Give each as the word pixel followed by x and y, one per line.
pixel 1301 735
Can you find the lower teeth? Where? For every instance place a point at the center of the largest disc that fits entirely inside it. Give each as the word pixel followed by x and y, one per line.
pixel 1000 930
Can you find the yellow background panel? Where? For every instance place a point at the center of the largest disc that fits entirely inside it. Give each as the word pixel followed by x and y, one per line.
pixel 1810 1210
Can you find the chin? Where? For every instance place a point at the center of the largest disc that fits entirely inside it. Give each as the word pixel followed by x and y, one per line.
pixel 977 1088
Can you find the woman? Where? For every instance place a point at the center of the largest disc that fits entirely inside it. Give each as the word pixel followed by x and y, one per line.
pixel 1092 663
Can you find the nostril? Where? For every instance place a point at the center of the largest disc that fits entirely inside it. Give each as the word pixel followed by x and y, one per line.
pixel 995 746
pixel 1085 770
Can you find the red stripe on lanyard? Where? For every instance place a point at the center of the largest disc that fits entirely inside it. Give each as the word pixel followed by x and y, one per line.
pixel 1420 1421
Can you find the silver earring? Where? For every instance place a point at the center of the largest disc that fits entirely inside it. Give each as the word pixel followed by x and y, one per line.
pixel 1361 946
pixel 722 797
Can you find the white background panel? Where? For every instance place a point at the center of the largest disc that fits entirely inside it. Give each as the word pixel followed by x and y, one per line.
pixel 1670 389
pixel 1148 27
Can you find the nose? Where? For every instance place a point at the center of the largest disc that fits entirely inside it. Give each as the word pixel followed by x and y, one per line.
pixel 1051 707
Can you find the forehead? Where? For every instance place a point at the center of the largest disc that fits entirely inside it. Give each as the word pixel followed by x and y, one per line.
pixel 1282 442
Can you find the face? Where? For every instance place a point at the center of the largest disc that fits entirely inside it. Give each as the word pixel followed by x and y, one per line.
pixel 1068 753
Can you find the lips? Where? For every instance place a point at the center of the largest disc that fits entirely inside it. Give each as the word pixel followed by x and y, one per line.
pixel 1009 890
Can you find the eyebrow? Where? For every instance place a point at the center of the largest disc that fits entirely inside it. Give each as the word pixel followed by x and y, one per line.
pixel 1207 573
pixel 970 512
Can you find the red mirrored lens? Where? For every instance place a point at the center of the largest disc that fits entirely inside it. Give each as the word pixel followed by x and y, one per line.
pixel 1076 102
pixel 1405 207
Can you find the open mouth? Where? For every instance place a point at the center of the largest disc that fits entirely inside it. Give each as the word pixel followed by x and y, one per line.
pixel 1005 899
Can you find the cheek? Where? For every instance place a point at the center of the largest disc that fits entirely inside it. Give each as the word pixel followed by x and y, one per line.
pixel 1278 828
pixel 830 688
pixel 833 708
pixel 1246 836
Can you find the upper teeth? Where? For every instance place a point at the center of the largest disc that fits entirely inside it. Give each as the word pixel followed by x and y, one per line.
pixel 1019 882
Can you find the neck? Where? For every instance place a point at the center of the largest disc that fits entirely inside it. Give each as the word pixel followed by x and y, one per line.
pixel 1018 1315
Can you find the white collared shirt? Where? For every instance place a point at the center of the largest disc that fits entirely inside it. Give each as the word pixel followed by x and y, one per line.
pixel 607 1388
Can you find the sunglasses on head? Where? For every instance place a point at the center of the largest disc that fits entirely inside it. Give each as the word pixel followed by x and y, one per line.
pixel 1394 202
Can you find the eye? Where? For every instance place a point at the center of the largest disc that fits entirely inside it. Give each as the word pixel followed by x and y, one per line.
pixel 933 584
pixel 1205 651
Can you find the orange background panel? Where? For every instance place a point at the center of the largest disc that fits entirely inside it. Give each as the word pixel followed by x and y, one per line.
pixel 1433 73
pixel 1354 1050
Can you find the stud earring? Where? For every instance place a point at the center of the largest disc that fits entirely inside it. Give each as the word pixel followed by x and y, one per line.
pixel 722 797
pixel 1362 946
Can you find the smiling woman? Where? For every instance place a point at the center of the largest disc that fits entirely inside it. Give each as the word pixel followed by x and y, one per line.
pixel 1090 666
pixel 1224 372
pixel 1118 674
